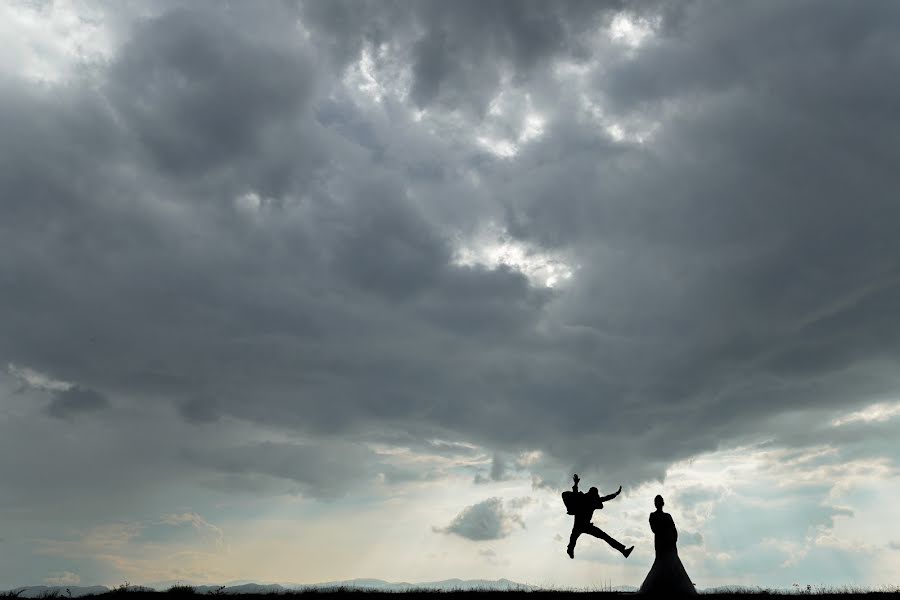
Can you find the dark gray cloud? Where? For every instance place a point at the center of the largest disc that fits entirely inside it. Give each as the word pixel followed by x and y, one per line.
pixel 219 222
pixel 198 91
pixel 199 410
pixel 69 403
pixel 446 46
pixel 487 520
pixel 321 469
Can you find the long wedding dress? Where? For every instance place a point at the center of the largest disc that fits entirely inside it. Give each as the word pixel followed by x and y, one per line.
pixel 667 575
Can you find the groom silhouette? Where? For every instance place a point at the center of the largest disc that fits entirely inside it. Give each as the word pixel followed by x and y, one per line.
pixel 583 506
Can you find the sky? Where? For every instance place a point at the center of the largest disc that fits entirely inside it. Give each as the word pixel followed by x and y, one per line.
pixel 309 291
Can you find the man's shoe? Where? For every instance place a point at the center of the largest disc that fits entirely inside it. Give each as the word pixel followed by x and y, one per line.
pixel 627 551
pixel 570 551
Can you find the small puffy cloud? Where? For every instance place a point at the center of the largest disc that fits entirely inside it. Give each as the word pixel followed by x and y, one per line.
pixel 487 520
pixel 76 400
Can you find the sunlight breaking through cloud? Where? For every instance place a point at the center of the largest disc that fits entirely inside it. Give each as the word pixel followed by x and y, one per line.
pixel 511 123
pixel 46 41
pixel 632 31
pixel 496 248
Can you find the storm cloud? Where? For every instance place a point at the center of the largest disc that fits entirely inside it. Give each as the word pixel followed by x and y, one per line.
pixel 68 403
pixel 309 242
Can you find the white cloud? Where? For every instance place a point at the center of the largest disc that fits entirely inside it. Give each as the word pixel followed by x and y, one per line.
pixel 45 41
pixel 377 74
pixel 494 248
pixel 38 380
pixel 632 31
pixel 498 147
pixel 248 203
pixel 511 123
pixel 874 413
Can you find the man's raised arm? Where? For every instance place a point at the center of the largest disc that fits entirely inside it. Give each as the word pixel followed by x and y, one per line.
pixel 575 487
pixel 611 496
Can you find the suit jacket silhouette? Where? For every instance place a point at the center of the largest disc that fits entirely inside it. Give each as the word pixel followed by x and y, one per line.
pixel 585 505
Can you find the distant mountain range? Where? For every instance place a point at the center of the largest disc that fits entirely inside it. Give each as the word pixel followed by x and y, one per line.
pixel 237 587
pixel 38 591
pixel 245 587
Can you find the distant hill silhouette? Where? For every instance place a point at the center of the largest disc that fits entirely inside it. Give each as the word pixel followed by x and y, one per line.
pixel 38 591
pixel 446 584
pixel 384 586
pixel 245 587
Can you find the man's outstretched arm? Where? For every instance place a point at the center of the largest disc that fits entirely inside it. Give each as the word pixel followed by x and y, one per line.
pixel 575 487
pixel 611 496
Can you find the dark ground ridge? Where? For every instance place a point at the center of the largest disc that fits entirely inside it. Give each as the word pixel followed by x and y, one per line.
pixel 355 593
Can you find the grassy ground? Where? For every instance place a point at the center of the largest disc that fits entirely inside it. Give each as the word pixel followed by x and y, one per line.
pixel 338 593
pixel 357 594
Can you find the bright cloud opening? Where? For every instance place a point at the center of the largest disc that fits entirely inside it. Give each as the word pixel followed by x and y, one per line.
pixel 512 122
pixel 43 42
pixel 542 268
pixel 632 31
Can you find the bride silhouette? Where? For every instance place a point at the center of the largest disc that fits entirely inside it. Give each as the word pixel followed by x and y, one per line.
pixel 667 575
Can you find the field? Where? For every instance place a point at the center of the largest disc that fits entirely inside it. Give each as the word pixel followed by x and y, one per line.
pixel 186 593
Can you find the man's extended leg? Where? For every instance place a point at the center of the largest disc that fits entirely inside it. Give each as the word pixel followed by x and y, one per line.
pixel 570 549
pixel 597 532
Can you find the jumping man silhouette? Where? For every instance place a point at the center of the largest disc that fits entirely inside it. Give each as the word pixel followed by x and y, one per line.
pixel 583 506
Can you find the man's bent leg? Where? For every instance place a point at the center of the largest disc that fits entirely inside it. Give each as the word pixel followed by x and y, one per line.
pixel 597 532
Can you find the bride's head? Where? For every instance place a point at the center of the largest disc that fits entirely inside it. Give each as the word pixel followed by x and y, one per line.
pixel 658 501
